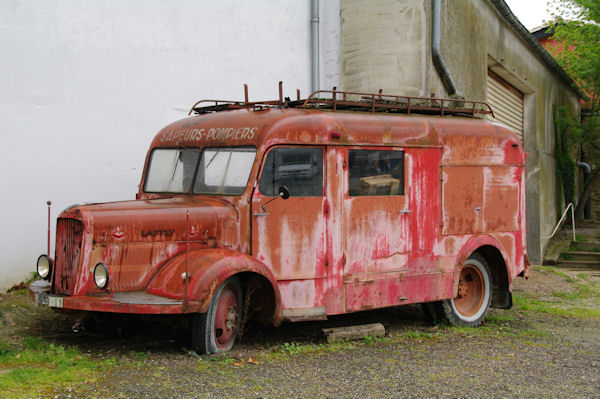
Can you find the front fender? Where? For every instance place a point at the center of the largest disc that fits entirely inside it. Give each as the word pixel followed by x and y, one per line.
pixel 207 269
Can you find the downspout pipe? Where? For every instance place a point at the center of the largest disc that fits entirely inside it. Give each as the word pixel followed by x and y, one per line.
pixel 314 44
pixel 436 54
pixel 587 172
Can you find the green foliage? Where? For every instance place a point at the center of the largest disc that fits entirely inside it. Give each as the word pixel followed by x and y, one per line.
pixel 566 130
pixel 578 30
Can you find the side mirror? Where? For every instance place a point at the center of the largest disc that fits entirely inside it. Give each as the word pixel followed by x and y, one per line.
pixel 284 192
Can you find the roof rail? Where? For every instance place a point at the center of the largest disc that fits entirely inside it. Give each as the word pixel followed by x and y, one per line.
pixel 224 105
pixel 355 101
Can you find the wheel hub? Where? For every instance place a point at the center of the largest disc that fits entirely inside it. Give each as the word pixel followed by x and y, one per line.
pixel 231 318
pixel 463 289
pixel 471 291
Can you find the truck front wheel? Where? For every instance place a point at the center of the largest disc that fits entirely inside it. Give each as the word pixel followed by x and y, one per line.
pixel 216 330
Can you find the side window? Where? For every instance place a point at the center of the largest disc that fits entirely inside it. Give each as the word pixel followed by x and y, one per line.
pixel 375 172
pixel 299 169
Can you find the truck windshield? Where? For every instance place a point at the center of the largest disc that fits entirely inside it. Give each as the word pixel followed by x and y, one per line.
pixel 171 170
pixel 222 171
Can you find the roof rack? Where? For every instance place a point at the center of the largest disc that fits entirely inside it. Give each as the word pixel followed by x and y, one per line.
pixel 380 102
pixel 355 101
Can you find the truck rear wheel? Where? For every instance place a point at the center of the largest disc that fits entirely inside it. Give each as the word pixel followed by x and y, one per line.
pixel 216 330
pixel 472 301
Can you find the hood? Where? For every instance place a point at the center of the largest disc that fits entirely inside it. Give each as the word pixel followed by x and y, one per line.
pixel 153 220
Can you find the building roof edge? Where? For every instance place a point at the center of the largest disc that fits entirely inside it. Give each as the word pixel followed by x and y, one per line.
pixel 534 45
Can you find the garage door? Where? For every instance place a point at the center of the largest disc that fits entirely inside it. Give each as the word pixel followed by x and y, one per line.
pixel 506 101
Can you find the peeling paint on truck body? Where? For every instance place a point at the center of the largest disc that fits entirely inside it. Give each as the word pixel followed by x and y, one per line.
pixel 333 252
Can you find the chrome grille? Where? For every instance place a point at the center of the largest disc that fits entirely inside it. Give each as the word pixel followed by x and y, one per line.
pixel 69 235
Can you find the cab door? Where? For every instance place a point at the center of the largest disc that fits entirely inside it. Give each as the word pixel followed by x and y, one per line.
pixel 289 235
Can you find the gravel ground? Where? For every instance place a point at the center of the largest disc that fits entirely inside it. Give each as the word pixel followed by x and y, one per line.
pixel 518 353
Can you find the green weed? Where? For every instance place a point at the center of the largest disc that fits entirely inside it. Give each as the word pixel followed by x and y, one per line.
pixel 138 355
pixel 292 348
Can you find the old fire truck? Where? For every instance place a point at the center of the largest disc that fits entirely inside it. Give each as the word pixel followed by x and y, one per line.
pixel 297 210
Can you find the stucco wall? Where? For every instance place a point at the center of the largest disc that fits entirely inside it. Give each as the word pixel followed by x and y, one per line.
pixel 474 37
pixel 85 85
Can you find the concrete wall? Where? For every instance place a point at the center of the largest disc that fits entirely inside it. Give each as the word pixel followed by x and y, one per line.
pixel 384 46
pixel 474 37
pixel 85 85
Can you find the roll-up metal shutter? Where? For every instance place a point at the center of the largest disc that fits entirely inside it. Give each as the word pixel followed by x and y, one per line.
pixel 506 101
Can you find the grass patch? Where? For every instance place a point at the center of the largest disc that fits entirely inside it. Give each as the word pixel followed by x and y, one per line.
pixel 582 292
pixel 584 276
pixel 558 309
pixel 498 318
pixel 534 333
pixel 39 368
pixel 291 349
pixel 373 340
pixel 553 270
pixel 419 335
pixel 581 300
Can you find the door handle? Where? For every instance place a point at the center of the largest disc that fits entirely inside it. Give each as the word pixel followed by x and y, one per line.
pixel 260 214
pixel 405 211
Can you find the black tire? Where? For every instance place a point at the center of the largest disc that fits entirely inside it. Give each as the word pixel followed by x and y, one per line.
pixel 216 330
pixel 473 299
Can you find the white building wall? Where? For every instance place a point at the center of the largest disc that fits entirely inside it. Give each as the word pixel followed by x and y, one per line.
pixel 85 85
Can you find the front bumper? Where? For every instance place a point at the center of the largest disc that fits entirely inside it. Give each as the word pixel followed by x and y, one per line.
pixel 119 302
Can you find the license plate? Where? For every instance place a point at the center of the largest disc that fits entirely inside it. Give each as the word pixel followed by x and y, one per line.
pixel 55 301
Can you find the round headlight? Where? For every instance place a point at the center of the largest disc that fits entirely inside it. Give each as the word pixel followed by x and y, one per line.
pixel 101 276
pixel 44 264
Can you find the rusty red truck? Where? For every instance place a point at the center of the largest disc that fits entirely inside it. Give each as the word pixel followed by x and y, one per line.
pixel 298 210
